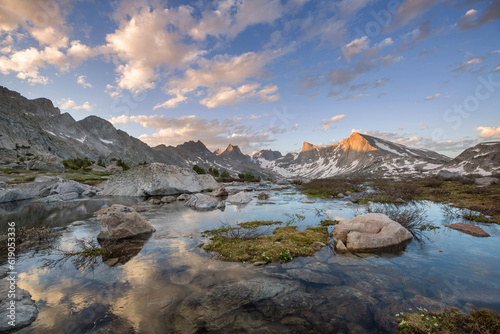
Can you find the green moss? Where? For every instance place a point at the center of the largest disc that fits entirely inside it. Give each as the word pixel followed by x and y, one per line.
pixel 285 244
pixel 450 322
pixel 257 223
pixel 329 222
pixel 289 193
pixel 428 227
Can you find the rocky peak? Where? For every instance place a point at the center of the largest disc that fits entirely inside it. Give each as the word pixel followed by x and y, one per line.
pixel 217 151
pixel 268 154
pixel 308 147
pixel 357 142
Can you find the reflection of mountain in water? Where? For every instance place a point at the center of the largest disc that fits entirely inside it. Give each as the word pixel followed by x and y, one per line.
pixel 30 214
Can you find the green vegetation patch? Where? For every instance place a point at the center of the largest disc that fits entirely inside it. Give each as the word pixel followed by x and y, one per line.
pixel 329 222
pixel 285 244
pixel 325 188
pixel 257 223
pixel 450 322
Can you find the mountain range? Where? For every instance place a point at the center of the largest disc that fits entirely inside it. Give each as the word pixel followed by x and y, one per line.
pixel 35 128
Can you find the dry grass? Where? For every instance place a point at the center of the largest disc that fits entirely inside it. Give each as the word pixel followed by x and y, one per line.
pixel 411 217
pixel 285 244
pixel 331 187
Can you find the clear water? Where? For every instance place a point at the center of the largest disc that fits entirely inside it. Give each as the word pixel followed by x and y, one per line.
pixel 333 293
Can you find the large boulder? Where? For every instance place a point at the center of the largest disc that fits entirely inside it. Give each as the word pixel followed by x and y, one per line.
pixel 12 195
pixel 158 180
pixel 50 185
pixel 122 222
pixel 46 163
pixel 239 198
pixel 370 232
pixel 26 310
pixel 202 202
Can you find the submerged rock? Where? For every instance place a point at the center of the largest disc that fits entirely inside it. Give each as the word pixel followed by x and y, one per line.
pixel 13 195
pixel 202 202
pixel 215 309
pixel 239 198
pixel 168 199
pixel 158 180
pixel 25 313
pixel 184 197
pixel 370 232
pixel 122 222
pixel 473 230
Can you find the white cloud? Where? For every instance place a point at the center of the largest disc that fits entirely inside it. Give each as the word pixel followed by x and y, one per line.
pixel 171 103
pixel 488 132
pixel 335 119
pixel 432 97
pixel 468 65
pixel 356 47
pixel 215 133
pixel 250 93
pixel 386 42
pixel 69 104
pixel 44 20
pixel 82 82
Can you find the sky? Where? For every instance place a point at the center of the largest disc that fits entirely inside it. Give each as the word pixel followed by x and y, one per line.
pixel 264 74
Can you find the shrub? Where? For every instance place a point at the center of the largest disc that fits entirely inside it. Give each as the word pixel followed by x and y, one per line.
pixel 199 170
pixel 410 217
pixel 77 163
pixel 225 174
pixel 433 183
pixel 213 171
pixel 101 163
pixel 246 176
pixel 122 164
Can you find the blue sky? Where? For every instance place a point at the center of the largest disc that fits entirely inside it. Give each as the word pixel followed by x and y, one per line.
pixel 264 73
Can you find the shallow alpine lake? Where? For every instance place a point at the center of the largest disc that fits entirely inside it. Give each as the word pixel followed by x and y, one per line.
pixel 173 285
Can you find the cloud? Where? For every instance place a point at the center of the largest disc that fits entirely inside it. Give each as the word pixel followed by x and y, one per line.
pixel 250 93
pixel 488 132
pixel 69 104
pixel 432 97
pixel 468 65
pixel 353 97
pixel 43 20
pixel 81 81
pixel 355 47
pixel 409 10
pixel 335 119
pixel 27 63
pixel 473 19
pixel 171 103
pixel 215 133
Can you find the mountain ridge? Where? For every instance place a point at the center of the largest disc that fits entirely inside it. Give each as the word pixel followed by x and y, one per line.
pixel 39 128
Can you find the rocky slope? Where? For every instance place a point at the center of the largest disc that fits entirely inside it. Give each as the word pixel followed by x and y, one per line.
pixel 35 128
pixel 482 159
pixel 359 154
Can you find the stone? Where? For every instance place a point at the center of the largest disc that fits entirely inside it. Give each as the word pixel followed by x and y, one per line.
pixel 259 263
pixel 220 192
pixel 213 309
pixel 283 181
pixel 111 262
pixel 13 195
pixel 340 247
pixel 168 199
pixel 183 197
pixel 239 198
pixel 486 181
pixel 307 201
pixel 6 179
pixel 263 196
pixel 122 222
pixel 46 163
pixel 202 202
pixel 370 232
pixel 49 185
pixel 155 201
pixel 90 192
pixel 139 208
pixel 68 196
pixel 50 199
pixel 221 205
pixel 473 230
pixel 77 223
pixel 3 185
pixel 311 276
pixel 114 169
pixel 158 179
pixel 26 309
pixel 340 195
